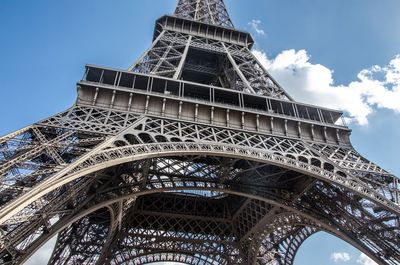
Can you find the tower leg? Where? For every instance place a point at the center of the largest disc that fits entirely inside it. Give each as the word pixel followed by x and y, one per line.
pixel 82 242
pixel 281 247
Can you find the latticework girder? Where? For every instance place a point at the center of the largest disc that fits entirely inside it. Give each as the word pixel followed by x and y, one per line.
pixel 206 11
pixel 249 176
pixel 195 155
pixel 177 54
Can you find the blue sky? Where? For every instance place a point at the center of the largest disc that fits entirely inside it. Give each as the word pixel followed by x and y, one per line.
pixel 45 45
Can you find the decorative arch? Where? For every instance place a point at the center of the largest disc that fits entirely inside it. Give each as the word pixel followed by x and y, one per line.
pixel 294 219
pixel 127 154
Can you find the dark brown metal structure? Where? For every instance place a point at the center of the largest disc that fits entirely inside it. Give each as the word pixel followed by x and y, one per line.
pixel 195 155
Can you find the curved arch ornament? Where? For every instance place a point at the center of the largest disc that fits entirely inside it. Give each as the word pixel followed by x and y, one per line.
pixel 114 156
pixel 172 257
pixel 175 160
pixel 279 199
pixel 292 220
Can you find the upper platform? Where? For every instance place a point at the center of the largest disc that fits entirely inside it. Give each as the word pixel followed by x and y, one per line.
pixel 205 30
pixel 207 11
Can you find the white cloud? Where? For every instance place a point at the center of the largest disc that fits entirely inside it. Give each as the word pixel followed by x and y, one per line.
pixel 255 26
pixel 365 260
pixel 340 257
pixel 376 87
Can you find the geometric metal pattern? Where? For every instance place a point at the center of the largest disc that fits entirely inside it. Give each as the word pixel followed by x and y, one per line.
pixel 209 12
pixel 195 155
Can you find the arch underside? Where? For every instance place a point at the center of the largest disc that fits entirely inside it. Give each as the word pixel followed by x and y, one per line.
pixel 195 226
pixel 210 210
pixel 212 203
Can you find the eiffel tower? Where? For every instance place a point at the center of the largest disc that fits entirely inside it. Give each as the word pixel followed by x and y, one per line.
pixel 195 154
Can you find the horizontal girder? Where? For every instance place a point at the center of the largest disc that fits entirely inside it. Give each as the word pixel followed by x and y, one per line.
pixel 195 154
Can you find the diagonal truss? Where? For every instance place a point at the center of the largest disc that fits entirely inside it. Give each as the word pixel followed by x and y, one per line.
pixel 194 155
pixel 206 11
pixel 186 49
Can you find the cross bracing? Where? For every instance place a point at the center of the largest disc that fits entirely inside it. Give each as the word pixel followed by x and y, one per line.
pixel 194 155
pixel 167 170
pixel 181 43
pixel 206 11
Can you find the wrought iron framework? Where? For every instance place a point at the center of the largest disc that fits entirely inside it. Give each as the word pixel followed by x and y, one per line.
pixel 194 155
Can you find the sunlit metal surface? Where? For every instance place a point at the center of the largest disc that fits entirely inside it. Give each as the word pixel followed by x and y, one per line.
pixel 195 154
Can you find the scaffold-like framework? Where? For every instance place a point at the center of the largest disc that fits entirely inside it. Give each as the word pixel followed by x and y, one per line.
pixel 195 154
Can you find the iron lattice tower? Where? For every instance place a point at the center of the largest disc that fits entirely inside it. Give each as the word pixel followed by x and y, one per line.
pixel 194 155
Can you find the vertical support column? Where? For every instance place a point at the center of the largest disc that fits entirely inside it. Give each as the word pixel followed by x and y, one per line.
pixel 113 99
pixel 312 132
pixel 299 129
pixel 258 122
pixel 338 136
pixel 212 115
pixel 163 107
pixel 178 72
pixel 286 127
pixel 146 107
pixel 180 110
pixel 272 124
pixel 96 94
pixel 227 118
pixel 196 113
pixel 130 101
